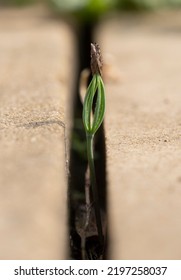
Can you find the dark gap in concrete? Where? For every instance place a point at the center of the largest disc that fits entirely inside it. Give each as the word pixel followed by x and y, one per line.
pixel 78 158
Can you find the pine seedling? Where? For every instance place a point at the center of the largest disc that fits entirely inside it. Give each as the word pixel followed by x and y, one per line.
pixel 92 119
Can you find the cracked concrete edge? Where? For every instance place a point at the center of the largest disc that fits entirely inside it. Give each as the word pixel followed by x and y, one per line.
pixel 142 129
pixel 35 87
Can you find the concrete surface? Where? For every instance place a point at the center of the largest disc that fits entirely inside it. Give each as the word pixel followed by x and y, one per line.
pixel 36 62
pixel 142 127
pixel 143 135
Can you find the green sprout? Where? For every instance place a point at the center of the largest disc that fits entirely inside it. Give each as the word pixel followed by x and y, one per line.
pixel 92 119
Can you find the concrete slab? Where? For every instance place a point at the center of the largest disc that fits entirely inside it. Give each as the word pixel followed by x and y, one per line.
pixel 143 135
pixel 35 57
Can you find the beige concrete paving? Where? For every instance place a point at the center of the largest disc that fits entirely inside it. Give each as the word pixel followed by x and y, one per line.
pixel 143 135
pixel 36 62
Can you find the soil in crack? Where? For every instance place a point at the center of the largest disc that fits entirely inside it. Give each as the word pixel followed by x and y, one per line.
pixel 78 166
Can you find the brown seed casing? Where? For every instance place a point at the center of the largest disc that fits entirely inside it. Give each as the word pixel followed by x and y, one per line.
pixel 96 59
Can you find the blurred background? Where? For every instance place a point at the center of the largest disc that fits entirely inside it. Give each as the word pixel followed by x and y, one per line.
pixel 94 7
pixel 73 5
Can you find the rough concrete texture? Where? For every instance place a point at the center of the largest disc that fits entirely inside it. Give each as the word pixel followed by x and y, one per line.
pixel 143 135
pixel 35 59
